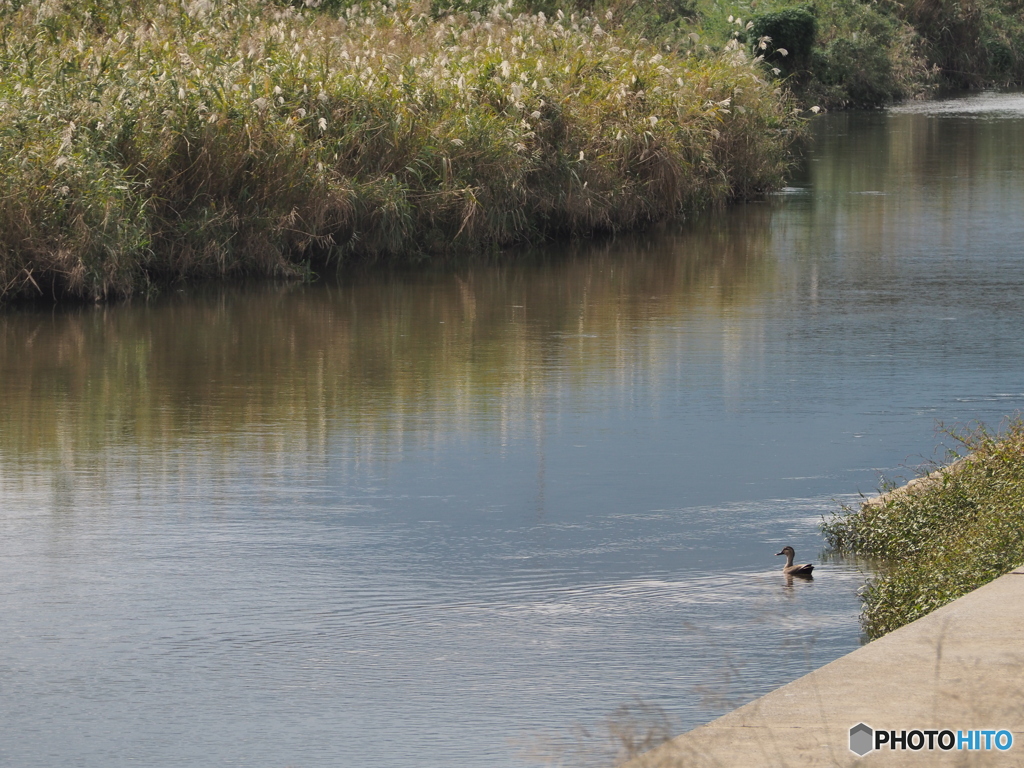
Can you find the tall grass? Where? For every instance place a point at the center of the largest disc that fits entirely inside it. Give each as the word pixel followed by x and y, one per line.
pixel 147 142
pixel 956 531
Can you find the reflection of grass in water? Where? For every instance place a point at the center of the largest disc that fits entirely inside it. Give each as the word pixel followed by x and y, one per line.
pixel 955 531
pixel 374 353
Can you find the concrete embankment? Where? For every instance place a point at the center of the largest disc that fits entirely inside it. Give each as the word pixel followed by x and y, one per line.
pixel 960 668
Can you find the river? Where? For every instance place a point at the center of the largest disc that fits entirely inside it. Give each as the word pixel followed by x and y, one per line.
pixel 452 517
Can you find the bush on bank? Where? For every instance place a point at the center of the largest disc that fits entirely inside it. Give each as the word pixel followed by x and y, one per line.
pixel 862 54
pixel 835 54
pixel 146 142
pixel 946 538
pixel 871 54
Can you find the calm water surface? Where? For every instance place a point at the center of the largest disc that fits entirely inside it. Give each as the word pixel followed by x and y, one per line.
pixel 442 519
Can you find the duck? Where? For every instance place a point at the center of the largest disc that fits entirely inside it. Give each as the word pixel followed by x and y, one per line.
pixel 794 570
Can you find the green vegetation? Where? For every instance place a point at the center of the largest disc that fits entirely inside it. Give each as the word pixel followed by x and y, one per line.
pixel 954 532
pixel 792 33
pixel 868 54
pixel 844 53
pixel 841 53
pixel 146 142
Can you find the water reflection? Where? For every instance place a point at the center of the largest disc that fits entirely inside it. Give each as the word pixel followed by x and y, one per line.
pixel 407 519
pixel 370 353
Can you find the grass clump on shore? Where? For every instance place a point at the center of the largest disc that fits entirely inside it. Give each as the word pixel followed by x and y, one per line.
pixel 959 529
pixel 148 142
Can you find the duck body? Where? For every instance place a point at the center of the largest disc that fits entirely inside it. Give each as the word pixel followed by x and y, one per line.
pixel 794 570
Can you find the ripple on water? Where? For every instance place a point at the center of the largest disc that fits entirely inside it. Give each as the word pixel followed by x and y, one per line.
pixel 991 104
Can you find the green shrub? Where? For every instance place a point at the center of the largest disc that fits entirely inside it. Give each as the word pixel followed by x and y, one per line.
pixel 934 544
pixel 793 30
pixel 1002 41
pixel 857 71
pixel 952 30
pixel 865 58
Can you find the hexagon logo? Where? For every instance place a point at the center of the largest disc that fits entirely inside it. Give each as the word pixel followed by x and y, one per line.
pixel 861 739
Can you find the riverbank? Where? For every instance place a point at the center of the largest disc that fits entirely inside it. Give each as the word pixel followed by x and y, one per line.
pixel 153 143
pixel 148 143
pixel 941 536
pixel 955 669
